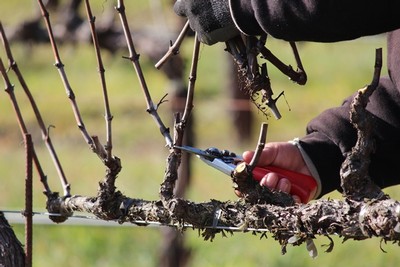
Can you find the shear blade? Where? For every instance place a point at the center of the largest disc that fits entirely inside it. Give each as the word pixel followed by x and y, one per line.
pixel 197 151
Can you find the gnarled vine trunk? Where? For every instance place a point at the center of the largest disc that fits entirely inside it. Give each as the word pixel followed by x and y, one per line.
pixel 11 251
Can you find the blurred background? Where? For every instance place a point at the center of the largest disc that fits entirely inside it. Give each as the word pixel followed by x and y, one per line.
pixel 334 71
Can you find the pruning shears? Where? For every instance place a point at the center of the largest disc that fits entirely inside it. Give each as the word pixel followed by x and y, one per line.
pixel 304 186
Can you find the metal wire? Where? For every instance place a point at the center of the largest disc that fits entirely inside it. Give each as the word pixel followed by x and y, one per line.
pixel 78 220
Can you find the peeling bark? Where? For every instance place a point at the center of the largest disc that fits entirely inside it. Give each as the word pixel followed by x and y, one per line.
pixel 355 180
pixel 11 250
pixel 347 218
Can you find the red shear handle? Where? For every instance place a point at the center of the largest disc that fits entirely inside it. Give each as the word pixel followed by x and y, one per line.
pixel 303 185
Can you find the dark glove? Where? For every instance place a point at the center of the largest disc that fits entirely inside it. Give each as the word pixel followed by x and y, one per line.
pixel 210 19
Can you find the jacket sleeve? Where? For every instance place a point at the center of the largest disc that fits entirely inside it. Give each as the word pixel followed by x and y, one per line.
pixel 330 136
pixel 316 20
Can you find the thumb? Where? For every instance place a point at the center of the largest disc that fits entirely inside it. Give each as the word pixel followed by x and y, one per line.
pixel 267 157
pixel 247 156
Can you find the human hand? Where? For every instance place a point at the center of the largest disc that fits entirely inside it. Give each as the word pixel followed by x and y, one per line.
pixel 283 155
pixel 210 19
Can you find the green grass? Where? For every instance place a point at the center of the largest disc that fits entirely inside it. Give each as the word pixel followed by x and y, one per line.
pixel 334 72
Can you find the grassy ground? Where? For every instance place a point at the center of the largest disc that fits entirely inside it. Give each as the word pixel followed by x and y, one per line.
pixel 334 72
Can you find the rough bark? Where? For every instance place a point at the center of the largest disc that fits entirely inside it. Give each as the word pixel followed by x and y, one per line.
pixel 346 218
pixel 355 179
pixel 11 250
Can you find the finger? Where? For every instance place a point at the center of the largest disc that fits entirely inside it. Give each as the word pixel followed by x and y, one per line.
pixel 270 180
pixel 238 193
pixel 247 156
pixel 267 156
pixel 296 199
pixel 284 185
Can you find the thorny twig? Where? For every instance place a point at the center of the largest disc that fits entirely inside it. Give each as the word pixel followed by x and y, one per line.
pixel 9 88
pixel 134 58
pixel 112 163
pixel 60 67
pixel 174 159
pixel 45 133
pixel 174 48
pixel 108 116
pixel 192 82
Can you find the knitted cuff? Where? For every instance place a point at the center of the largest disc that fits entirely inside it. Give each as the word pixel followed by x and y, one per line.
pixel 310 165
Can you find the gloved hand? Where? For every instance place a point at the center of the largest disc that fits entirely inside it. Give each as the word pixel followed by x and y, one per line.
pixel 210 19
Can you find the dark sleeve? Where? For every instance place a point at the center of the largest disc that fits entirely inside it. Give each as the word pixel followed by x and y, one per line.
pixel 316 20
pixel 330 136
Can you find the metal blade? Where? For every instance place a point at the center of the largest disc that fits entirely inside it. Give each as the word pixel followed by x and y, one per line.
pixel 197 151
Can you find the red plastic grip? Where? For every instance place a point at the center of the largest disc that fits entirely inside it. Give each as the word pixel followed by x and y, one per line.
pixel 304 186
